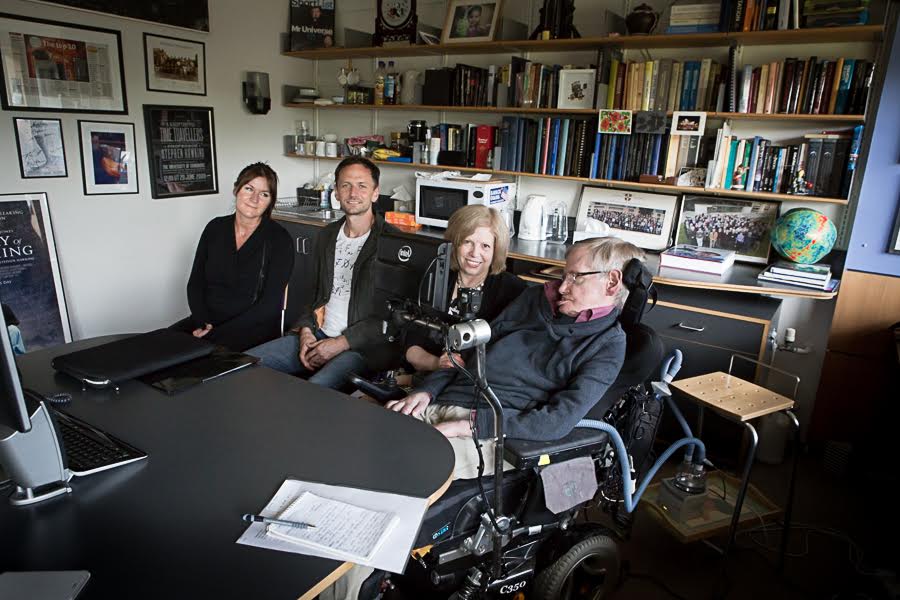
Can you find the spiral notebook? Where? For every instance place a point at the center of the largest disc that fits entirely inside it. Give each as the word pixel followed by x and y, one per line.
pixel 354 532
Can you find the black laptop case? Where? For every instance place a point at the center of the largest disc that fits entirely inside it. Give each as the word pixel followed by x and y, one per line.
pixel 115 362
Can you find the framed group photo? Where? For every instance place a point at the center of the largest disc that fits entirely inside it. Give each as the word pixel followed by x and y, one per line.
pixel 174 65
pixel 42 152
pixel 108 158
pixel 31 289
pixel 181 149
pixel 744 226
pixel 644 219
pixel 52 66
pixel 468 21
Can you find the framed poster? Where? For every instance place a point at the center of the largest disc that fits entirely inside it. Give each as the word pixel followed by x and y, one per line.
pixel 644 219
pixel 181 150
pixel 744 226
pixel 52 66
pixel 174 65
pixel 42 152
pixel 108 163
pixel 470 21
pixel 186 14
pixel 31 289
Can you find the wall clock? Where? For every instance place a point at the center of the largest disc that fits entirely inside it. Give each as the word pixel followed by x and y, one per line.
pixel 395 22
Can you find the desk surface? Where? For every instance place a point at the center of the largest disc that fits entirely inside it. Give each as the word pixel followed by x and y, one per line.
pixel 166 527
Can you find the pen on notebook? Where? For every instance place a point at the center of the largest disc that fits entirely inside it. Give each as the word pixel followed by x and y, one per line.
pixel 268 521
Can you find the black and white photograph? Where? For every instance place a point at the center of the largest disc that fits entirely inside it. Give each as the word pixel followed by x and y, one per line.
pixel 52 66
pixel 470 21
pixel 744 226
pixel 174 65
pixel 108 158
pixel 41 148
pixel 688 123
pixel 650 121
pixel 31 290
pixel 181 150
pixel 576 88
pixel 644 219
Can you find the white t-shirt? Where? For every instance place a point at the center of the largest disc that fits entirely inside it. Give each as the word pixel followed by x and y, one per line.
pixel 346 251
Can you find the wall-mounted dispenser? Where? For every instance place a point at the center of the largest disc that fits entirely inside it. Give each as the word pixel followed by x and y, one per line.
pixel 256 92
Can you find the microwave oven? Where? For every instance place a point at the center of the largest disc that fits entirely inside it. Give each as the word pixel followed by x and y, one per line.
pixel 436 200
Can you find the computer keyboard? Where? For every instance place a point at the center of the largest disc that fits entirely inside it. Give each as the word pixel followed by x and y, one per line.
pixel 90 450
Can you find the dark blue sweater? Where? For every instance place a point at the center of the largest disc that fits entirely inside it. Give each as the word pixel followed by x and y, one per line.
pixel 547 374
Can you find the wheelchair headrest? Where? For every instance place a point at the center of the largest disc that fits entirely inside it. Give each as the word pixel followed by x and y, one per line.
pixel 639 282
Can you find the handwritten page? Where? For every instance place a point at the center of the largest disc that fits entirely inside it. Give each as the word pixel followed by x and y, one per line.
pixel 391 554
pixel 351 530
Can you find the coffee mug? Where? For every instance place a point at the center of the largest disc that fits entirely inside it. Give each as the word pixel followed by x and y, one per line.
pixel 320 148
pixel 331 149
pixel 310 147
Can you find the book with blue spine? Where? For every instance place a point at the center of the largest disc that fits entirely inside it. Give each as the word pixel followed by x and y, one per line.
pixel 595 157
pixel 843 95
pixel 554 147
pixel 538 147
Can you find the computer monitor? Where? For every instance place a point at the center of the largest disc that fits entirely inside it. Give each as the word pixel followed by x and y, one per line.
pixel 13 412
pixel 412 268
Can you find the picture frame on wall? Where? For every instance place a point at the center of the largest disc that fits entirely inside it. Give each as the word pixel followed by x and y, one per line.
pixel 468 21
pixel 644 219
pixel 42 151
pixel 576 88
pixel 108 158
pixel 181 150
pixel 183 14
pixel 31 289
pixel 174 65
pixel 53 66
pixel 744 226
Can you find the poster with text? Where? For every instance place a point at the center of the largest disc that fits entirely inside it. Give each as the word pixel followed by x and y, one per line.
pixel 31 289
pixel 182 151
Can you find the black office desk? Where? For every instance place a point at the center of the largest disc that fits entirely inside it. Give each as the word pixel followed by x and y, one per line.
pixel 166 527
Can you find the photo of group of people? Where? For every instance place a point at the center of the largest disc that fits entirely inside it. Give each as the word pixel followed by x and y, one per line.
pixel 628 218
pixel 742 226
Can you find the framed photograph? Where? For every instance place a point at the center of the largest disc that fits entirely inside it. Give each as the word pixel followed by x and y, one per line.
pixel 576 88
pixel 614 121
pixel 52 66
pixel 42 152
pixel 470 21
pixel 174 65
pixel 646 220
pixel 31 289
pixel 181 150
pixel 744 226
pixel 184 14
pixel 108 164
pixel 688 123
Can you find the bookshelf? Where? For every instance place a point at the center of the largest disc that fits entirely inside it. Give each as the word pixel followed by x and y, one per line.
pixel 610 183
pixel 829 35
pixel 576 111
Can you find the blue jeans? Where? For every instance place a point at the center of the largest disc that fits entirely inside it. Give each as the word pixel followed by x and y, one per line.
pixel 283 354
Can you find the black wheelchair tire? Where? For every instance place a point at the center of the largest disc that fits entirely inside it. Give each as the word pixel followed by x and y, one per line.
pixel 603 554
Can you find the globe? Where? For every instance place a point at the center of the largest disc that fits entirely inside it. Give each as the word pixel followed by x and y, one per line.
pixel 803 235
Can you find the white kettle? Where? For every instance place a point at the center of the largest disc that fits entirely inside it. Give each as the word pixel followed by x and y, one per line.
pixel 533 221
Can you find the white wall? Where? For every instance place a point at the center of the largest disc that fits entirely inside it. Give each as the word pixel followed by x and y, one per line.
pixel 125 258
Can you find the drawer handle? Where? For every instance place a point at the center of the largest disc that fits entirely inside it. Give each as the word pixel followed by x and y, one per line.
pixel 689 328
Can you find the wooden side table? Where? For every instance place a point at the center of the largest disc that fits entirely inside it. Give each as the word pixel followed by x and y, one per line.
pixel 742 402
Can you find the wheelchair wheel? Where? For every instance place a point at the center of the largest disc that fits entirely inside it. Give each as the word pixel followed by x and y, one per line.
pixel 589 570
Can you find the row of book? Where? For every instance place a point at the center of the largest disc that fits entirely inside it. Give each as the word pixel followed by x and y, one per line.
pixel 474 144
pixel 822 165
pixel 546 146
pixel 806 86
pixel 627 157
pixel 759 15
pixel 664 85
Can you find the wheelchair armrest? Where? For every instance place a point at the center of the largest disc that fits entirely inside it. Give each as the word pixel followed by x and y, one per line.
pixel 381 392
pixel 526 454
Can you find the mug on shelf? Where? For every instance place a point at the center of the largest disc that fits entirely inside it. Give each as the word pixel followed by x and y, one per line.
pixel 320 148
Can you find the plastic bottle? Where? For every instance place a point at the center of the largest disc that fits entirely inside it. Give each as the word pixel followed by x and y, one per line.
pixel 391 84
pixel 379 83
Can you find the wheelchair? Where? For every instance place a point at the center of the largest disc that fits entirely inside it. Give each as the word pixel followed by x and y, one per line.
pixel 523 537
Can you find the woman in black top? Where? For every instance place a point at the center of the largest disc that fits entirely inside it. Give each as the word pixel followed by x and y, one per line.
pixel 480 241
pixel 243 262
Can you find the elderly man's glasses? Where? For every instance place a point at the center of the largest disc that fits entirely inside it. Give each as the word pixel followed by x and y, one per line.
pixel 575 277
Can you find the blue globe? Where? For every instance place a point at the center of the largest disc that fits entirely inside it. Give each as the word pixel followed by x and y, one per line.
pixel 803 235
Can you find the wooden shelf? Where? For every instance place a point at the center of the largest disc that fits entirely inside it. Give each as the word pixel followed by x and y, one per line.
pixel 829 35
pixel 574 111
pixel 629 185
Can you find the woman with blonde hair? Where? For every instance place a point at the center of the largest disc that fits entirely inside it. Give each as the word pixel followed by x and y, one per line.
pixel 480 239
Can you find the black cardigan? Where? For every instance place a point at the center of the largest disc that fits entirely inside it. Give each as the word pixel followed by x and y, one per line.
pixel 224 281
pixel 498 291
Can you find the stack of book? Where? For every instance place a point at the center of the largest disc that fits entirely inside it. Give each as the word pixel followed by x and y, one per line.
pixel 835 13
pixel 697 258
pixel 811 276
pixel 694 18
